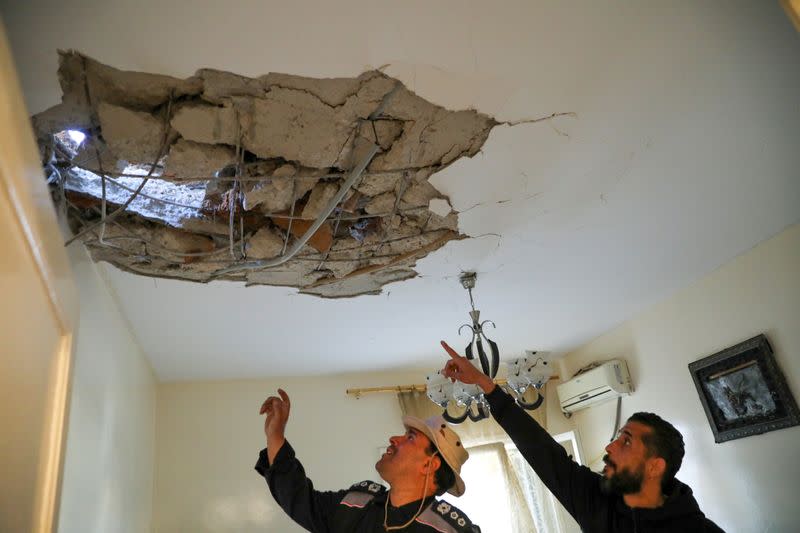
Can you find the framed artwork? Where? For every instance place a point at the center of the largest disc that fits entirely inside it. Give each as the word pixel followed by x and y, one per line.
pixel 743 391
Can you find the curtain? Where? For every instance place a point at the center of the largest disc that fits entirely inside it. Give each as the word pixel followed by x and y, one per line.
pixel 502 493
pixel 472 433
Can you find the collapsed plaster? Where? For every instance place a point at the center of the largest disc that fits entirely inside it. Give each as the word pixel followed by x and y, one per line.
pixel 241 167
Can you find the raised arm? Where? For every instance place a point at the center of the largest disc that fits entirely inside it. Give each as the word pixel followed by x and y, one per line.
pixel 286 478
pixel 277 410
pixel 575 486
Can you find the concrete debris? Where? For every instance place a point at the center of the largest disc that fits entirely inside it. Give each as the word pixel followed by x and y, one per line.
pixel 419 194
pixel 273 194
pixel 189 160
pixel 132 136
pixel 135 90
pixel 271 151
pixel 375 184
pixel 359 285
pixel 265 244
pixel 87 155
pixel 320 197
pixel 383 203
pixel 207 124
pixel 182 242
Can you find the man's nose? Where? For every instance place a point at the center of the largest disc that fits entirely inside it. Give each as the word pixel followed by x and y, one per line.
pixel 393 440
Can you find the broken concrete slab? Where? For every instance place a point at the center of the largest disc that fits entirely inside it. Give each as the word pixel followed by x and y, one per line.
pixel 437 141
pixel 349 287
pixel 419 194
pixel 188 160
pixel 219 86
pixel 383 203
pixel 295 126
pixel 135 90
pixel 207 124
pixel 182 242
pixel 265 244
pixel 379 183
pixel 299 137
pixel 320 197
pixel 132 136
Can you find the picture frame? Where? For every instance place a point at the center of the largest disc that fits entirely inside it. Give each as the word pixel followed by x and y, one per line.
pixel 743 391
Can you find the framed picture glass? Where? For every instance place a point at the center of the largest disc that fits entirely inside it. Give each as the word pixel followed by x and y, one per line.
pixel 743 391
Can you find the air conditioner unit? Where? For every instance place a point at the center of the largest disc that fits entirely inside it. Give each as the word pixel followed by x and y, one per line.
pixel 606 382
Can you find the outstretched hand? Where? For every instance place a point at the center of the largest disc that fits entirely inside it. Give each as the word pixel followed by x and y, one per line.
pixel 460 368
pixel 277 411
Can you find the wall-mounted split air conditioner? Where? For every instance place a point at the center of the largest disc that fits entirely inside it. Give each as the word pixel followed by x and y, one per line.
pixel 606 382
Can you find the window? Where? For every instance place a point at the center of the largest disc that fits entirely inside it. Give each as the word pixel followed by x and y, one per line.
pixel 505 495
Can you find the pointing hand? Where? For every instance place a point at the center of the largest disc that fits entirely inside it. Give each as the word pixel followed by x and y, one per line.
pixel 461 369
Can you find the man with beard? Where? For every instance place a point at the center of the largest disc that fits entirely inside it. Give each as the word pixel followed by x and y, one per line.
pixel 423 463
pixel 637 490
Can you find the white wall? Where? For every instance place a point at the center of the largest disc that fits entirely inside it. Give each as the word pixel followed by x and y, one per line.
pixel 748 484
pixel 108 471
pixel 210 433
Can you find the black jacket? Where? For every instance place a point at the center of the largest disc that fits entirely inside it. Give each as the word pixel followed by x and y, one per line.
pixel 360 509
pixel 578 488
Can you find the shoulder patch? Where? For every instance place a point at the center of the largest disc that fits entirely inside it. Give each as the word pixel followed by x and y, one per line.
pixel 368 486
pixel 445 517
pixel 360 494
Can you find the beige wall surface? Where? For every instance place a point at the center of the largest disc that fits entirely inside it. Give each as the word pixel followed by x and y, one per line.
pixel 108 471
pixel 748 484
pixel 28 349
pixel 210 433
pixel 37 323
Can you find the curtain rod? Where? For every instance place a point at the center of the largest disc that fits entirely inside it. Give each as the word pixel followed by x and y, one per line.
pixel 405 388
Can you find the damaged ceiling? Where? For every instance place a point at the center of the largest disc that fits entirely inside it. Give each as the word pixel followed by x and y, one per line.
pixel 682 156
pixel 319 184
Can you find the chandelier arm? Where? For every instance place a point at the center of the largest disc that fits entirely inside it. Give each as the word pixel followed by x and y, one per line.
pixel 481 411
pixel 466 326
pixel 468 351
pixel 495 356
pixel 482 354
pixel 533 405
pixel 455 419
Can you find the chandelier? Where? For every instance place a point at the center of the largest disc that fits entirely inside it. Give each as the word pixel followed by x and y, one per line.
pixel 460 401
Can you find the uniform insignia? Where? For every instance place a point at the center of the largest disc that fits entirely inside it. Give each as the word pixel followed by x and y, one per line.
pixel 445 518
pixel 360 494
pixel 368 486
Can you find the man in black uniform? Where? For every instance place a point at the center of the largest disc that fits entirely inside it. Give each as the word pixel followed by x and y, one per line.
pixel 424 462
pixel 637 490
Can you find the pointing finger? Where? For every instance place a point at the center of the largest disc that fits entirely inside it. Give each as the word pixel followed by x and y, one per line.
pixel 285 397
pixel 450 351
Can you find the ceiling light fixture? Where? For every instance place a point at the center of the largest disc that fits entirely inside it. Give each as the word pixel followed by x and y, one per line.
pixel 524 373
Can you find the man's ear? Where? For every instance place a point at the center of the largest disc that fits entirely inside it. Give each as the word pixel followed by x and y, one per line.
pixel 656 466
pixel 432 464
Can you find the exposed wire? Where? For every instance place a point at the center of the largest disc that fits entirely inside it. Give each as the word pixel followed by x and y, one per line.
pixel 291 216
pixel 116 213
pixel 355 174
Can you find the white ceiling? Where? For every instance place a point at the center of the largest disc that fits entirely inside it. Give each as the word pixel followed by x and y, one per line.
pixel 684 154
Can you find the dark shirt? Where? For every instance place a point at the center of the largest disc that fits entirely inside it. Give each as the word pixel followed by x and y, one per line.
pixel 578 488
pixel 360 509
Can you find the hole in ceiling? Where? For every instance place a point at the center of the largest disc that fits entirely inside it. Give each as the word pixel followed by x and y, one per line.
pixel 319 184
